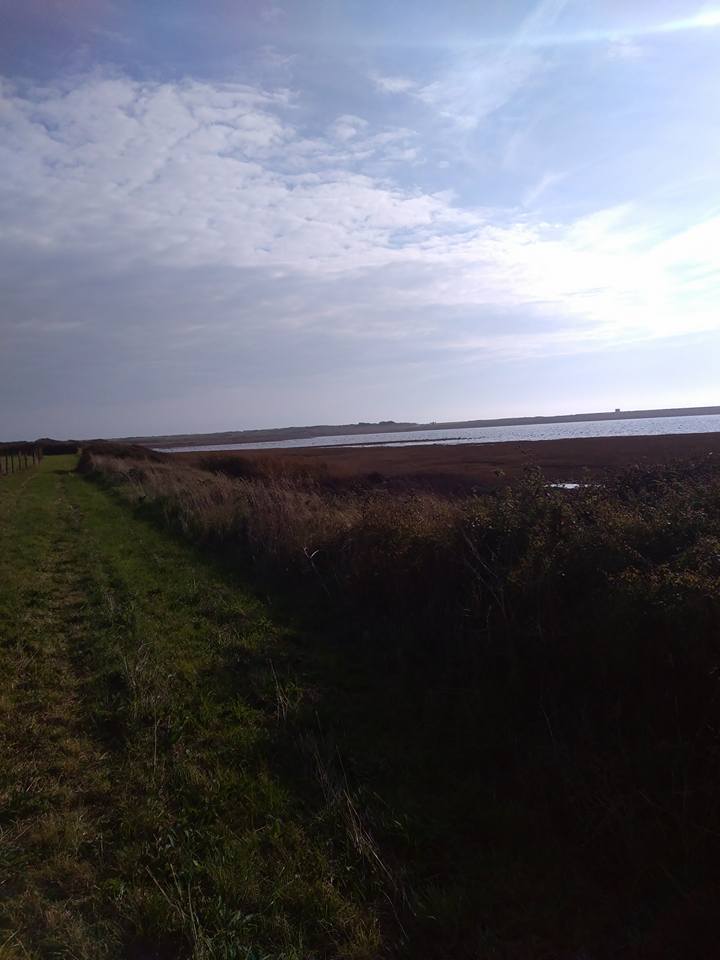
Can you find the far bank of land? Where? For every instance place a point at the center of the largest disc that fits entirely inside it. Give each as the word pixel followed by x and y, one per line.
pixel 278 434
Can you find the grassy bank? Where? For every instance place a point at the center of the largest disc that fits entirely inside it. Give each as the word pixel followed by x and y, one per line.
pixel 527 695
pixel 150 806
pixel 489 728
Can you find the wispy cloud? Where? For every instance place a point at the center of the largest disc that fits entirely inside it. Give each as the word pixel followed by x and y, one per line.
pixel 625 48
pixel 480 83
pixel 113 175
pixel 546 181
pixel 348 127
pixel 392 84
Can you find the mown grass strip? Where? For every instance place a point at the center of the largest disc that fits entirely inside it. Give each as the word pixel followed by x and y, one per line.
pixel 145 741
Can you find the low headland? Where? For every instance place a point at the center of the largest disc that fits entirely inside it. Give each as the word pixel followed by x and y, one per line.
pixel 278 434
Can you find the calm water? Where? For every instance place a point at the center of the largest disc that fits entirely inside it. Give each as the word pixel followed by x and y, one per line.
pixel 538 431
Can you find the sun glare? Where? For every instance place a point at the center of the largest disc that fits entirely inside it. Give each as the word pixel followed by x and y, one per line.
pixel 706 18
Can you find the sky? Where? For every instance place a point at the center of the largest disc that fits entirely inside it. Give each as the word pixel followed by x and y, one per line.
pixel 241 213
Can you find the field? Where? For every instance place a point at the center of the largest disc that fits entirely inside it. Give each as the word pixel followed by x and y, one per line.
pixel 292 706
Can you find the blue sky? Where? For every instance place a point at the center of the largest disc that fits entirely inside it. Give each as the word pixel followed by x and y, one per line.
pixel 238 214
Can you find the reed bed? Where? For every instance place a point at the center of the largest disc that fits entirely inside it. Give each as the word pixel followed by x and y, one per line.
pixel 527 555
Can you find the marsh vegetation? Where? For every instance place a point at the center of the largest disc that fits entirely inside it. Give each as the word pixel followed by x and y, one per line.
pixel 517 692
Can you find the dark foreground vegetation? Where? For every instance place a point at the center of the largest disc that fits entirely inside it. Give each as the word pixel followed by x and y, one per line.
pixel 518 693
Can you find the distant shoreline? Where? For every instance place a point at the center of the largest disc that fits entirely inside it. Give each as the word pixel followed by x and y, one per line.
pixel 390 426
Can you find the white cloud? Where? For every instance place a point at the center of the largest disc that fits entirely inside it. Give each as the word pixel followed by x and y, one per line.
pixel 625 48
pixel 390 84
pixel 547 180
pixel 118 178
pixel 348 127
pixel 543 15
pixel 476 85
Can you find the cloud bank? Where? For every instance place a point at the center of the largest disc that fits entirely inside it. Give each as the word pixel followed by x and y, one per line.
pixel 113 174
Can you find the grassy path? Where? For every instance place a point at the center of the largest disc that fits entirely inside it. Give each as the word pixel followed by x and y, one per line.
pixel 148 807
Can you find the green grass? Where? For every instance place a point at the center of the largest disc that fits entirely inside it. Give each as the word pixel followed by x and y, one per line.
pixel 481 728
pixel 145 712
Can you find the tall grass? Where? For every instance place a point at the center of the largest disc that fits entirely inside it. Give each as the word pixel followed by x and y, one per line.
pixel 554 655
pixel 529 557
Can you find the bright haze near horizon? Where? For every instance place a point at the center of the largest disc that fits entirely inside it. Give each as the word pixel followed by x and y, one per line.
pixel 218 215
